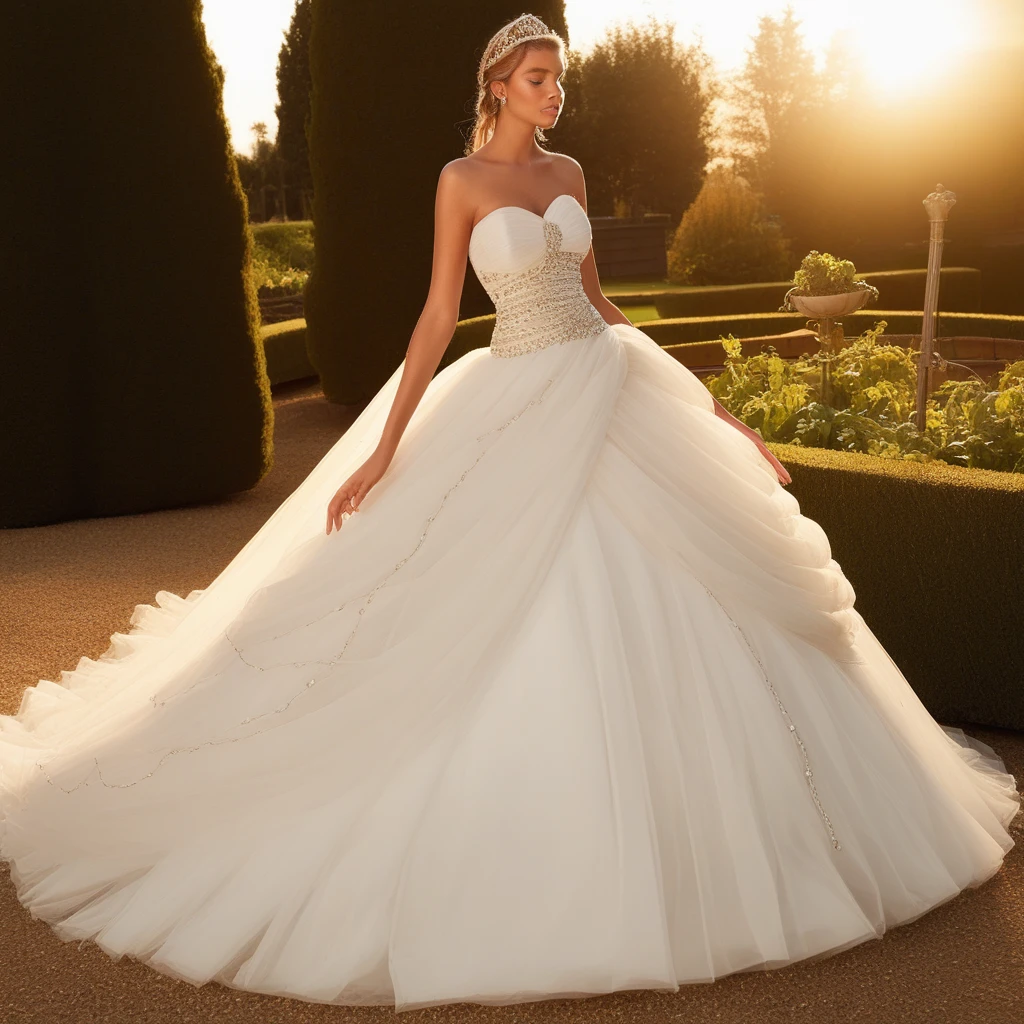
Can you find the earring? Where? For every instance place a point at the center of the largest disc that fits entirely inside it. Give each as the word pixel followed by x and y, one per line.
pixel 502 100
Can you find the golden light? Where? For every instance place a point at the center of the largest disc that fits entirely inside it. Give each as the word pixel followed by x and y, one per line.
pixel 901 46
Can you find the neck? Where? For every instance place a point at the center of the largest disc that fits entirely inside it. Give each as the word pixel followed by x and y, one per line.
pixel 513 141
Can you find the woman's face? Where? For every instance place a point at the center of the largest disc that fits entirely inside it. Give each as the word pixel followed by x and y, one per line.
pixel 534 90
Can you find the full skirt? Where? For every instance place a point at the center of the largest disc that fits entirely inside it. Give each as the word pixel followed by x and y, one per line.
pixel 577 701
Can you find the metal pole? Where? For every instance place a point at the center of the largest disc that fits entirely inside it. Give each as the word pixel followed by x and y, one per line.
pixel 938 205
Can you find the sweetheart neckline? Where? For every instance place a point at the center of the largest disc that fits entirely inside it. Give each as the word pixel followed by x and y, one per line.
pixel 539 216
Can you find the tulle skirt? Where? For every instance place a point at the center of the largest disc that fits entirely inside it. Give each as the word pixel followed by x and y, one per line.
pixel 577 702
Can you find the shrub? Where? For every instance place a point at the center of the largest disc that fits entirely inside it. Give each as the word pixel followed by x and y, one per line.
pixel 282 256
pixel 288 243
pixel 725 237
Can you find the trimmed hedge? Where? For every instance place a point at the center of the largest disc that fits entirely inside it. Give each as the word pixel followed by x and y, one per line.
pixel 791 345
pixel 284 345
pixel 375 217
pixel 898 321
pixel 287 359
pixel 959 289
pixel 694 341
pixel 131 374
pixel 932 552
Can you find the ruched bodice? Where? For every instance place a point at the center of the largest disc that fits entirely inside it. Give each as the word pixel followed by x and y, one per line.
pixel 530 266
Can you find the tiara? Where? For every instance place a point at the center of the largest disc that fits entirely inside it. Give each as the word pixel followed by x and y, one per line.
pixel 523 29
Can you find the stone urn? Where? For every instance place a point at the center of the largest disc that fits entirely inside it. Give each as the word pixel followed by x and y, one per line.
pixel 829 305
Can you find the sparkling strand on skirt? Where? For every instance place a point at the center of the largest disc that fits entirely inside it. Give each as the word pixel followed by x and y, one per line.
pixel 369 596
pixel 808 773
pixel 284 707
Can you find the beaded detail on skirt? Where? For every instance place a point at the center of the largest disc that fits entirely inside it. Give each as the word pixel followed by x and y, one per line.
pixel 543 305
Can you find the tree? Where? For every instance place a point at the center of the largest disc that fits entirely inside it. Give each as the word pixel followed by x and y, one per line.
pixel 638 118
pixel 377 144
pixel 261 173
pixel 293 91
pixel 776 89
pixel 131 369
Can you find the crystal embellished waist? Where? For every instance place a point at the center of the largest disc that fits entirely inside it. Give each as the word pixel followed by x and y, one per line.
pixel 550 319
pixel 543 305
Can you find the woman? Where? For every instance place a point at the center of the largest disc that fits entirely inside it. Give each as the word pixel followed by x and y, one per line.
pixel 567 698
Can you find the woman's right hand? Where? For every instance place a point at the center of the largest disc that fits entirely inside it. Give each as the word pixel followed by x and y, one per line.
pixel 353 490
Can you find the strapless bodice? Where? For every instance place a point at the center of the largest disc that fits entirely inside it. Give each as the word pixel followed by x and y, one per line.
pixel 529 264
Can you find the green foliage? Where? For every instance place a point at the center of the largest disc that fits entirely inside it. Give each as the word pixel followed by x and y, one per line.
pixel 699 326
pixel 875 379
pixel 725 237
pixel 282 256
pixel 979 424
pixel 825 274
pixel 968 423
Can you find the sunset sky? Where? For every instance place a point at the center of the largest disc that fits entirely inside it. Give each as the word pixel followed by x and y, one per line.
pixel 900 42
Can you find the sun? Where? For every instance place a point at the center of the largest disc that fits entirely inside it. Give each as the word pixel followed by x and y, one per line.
pixel 901 47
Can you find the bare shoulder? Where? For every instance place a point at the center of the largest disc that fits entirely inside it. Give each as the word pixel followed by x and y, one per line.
pixel 566 163
pixel 455 174
pixel 453 204
pixel 571 169
pixel 570 174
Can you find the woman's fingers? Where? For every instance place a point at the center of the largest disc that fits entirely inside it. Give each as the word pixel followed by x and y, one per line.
pixel 345 500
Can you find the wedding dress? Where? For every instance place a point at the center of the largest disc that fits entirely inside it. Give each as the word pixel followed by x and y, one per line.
pixel 577 702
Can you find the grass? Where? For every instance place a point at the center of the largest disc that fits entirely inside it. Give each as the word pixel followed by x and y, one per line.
pixel 625 285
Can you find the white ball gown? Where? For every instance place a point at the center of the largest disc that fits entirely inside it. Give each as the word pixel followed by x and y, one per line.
pixel 577 702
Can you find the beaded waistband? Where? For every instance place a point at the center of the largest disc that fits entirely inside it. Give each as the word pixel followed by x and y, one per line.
pixel 544 305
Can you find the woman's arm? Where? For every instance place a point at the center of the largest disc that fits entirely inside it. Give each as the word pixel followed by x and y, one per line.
pixel 430 337
pixel 436 324
pixel 613 315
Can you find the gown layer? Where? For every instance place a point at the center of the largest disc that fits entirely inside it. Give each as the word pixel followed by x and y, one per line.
pixel 577 702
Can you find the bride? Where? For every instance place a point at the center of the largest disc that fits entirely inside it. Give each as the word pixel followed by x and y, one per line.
pixel 567 697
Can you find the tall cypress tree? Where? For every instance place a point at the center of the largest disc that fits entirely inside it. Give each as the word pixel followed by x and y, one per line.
pixel 392 103
pixel 293 87
pixel 131 372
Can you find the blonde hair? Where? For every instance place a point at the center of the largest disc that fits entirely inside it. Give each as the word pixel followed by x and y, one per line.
pixel 487 104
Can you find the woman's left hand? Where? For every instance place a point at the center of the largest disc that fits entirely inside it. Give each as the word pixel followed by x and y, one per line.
pixel 780 470
pixel 723 414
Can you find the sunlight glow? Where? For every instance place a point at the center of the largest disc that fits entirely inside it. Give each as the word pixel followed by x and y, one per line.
pixel 900 44
pixel 917 42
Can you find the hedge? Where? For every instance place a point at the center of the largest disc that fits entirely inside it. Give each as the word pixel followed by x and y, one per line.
pixel 284 345
pixel 933 553
pixel 898 321
pixel 375 217
pixel 131 374
pixel 959 289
